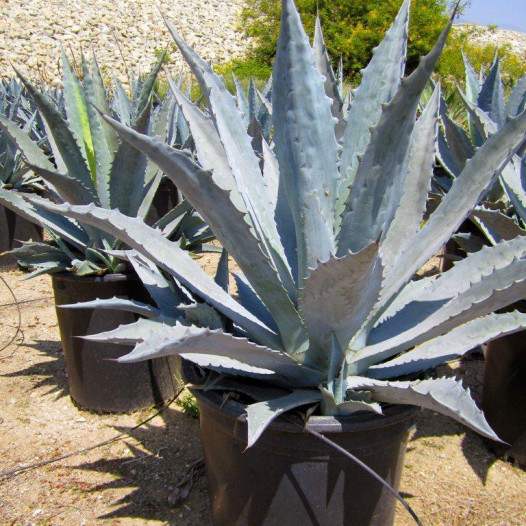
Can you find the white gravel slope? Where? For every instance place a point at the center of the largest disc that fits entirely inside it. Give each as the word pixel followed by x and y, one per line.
pixel 33 31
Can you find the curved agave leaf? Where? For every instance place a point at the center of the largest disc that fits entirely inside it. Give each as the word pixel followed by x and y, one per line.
pixel 230 227
pixel 451 345
pixel 479 174
pixel 408 217
pixel 381 173
pixel 158 287
pixel 336 299
pixel 423 320
pixel 380 81
pixel 444 395
pixel 116 303
pixel 222 274
pixel 306 146
pixel 57 223
pixel 495 225
pixel 167 255
pixel 191 341
pixel 472 81
pixel 262 414
pixel 130 333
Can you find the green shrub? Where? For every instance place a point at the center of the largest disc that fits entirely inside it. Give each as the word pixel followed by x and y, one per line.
pixel 351 29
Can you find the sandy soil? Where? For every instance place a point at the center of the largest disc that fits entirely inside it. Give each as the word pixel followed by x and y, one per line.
pixel 450 477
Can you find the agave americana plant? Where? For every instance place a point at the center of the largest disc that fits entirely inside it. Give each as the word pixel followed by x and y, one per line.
pixel 328 236
pixel 502 213
pixel 90 164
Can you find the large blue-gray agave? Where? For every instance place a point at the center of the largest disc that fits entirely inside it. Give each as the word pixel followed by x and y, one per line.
pixel 328 235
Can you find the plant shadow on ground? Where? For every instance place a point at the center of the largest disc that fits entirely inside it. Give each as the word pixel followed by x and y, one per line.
pixel 163 471
pixel 430 426
pixel 51 372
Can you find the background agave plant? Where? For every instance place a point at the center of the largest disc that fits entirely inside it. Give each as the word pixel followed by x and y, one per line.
pixel 88 163
pixel 502 212
pixel 328 236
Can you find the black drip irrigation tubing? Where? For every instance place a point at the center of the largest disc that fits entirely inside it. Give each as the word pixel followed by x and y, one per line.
pixel 10 473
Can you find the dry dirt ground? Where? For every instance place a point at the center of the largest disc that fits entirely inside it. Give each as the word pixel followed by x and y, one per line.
pixel 450 476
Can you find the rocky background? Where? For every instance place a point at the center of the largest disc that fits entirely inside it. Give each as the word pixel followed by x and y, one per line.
pixel 125 34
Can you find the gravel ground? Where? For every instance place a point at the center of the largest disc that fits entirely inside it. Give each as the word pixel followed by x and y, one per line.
pixel 32 32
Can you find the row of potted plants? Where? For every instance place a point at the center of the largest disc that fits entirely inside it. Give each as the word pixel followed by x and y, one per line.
pixel 323 211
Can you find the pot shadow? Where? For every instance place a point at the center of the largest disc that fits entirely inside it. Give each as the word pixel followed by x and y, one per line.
pixel 164 475
pixel 478 451
pixel 52 373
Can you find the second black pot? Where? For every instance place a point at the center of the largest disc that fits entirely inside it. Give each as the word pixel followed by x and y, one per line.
pixel 95 382
pixel 291 478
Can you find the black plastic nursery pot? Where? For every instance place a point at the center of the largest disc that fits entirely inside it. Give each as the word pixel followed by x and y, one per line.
pixel 14 228
pixel 95 383
pixel 504 389
pixel 292 478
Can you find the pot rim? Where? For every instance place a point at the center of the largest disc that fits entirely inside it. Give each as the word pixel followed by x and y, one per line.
pixel 362 421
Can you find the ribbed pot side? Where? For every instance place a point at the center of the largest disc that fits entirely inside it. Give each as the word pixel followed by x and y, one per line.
pixel 291 478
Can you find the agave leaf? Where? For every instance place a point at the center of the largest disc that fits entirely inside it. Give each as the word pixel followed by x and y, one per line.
pixel 280 206
pixel 355 402
pixel 457 140
pixel 130 333
pixel 63 226
pixel 306 146
pixel 468 242
pixel 336 299
pixel 121 104
pixel 444 395
pixel 517 99
pixel 250 300
pixel 128 171
pixel 177 262
pixel 158 287
pixel 77 115
pixel 230 227
pixel 381 173
pixel 513 180
pixel 66 187
pixel 202 315
pixel 479 174
pixel 190 342
pixel 380 81
pixel 472 82
pixel 262 414
pixel 66 148
pixel 451 345
pixel 421 320
pixel 148 85
pixel 491 96
pixel 331 85
pixel 104 139
pixel 116 303
pixel 481 120
pixel 408 217
pixel 222 274
pixel 496 225
pixel 242 100
pixel 242 160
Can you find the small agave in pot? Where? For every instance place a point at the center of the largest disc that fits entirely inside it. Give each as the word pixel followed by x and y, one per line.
pixel 328 235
